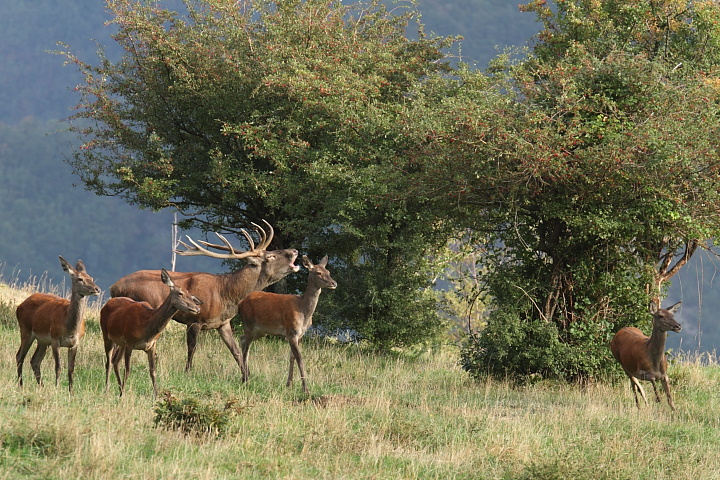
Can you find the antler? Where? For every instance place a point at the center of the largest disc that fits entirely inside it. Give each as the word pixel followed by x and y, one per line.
pixel 197 249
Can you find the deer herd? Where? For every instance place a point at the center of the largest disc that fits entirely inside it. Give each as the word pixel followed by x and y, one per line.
pixel 144 302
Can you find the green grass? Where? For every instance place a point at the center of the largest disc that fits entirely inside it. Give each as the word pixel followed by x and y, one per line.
pixel 368 416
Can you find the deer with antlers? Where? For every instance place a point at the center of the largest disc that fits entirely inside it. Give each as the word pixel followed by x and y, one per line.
pixel 643 357
pixel 129 325
pixel 220 293
pixel 55 322
pixel 265 313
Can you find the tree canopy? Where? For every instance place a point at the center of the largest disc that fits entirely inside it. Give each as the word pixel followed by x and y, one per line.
pixel 585 171
pixel 290 111
pixel 604 173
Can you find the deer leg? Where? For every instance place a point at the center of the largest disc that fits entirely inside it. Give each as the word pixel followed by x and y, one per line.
pixel 666 386
pixel 291 361
pixel 55 346
pixel 192 333
pixel 72 352
pixel 109 350
pixel 245 342
pixel 117 355
pixel 128 352
pixel 295 349
pixel 25 344
pixel 227 336
pixel 151 368
pixel 657 396
pixel 37 359
pixel 635 384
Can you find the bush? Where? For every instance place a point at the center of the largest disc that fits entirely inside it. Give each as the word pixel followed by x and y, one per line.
pixel 191 416
pixel 514 346
pixel 7 314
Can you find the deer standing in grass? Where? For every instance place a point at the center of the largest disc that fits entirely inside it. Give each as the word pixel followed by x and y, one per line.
pixel 129 325
pixel 643 357
pixel 220 293
pixel 55 322
pixel 265 313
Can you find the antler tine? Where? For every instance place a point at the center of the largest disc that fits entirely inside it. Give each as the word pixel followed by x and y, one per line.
pixel 196 249
pixel 189 249
pixel 227 247
pixel 225 241
pixel 261 234
pixel 248 238
pixel 265 239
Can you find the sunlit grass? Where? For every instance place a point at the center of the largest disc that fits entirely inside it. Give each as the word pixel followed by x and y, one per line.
pixel 368 416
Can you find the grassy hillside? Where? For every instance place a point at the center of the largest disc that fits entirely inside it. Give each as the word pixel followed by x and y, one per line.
pixel 368 416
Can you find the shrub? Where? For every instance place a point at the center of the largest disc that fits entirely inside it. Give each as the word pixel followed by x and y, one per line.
pixel 191 416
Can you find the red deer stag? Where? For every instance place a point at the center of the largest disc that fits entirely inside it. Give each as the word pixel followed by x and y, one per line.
pixel 220 293
pixel 643 357
pixel 56 322
pixel 264 313
pixel 128 325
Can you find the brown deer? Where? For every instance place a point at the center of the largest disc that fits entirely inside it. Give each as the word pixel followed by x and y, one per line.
pixel 264 313
pixel 56 322
pixel 220 293
pixel 129 325
pixel 643 357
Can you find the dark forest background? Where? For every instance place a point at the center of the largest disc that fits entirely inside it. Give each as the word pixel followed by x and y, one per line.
pixel 44 213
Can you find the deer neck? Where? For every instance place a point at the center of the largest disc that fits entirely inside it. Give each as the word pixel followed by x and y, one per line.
pixel 239 284
pixel 656 345
pixel 160 318
pixel 309 300
pixel 76 312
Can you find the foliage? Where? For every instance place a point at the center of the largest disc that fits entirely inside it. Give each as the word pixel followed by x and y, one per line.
pixel 192 416
pixel 524 338
pixel 287 111
pixel 462 295
pixel 591 168
pixel 32 83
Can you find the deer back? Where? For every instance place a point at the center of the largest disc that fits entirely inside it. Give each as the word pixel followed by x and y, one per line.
pixel 629 346
pixel 42 314
pixel 51 316
pixel 146 286
pixel 271 313
pixel 121 319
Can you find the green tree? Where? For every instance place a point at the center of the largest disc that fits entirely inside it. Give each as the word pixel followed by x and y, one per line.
pixel 591 167
pixel 291 111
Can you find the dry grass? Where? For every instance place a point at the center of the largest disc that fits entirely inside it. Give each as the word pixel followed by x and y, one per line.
pixel 368 416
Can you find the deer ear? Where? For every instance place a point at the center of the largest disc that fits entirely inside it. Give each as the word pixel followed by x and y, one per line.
pixel 306 261
pixel 324 261
pixel 66 266
pixel 653 307
pixel 674 308
pixel 165 276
